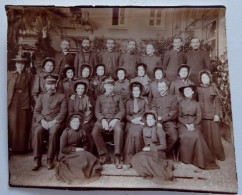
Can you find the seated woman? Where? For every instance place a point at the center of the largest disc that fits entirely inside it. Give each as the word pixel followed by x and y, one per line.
pixel 210 103
pixel 151 161
pixel 142 77
pixel 192 146
pixel 121 86
pixel 182 80
pixel 76 165
pixel 38 87
pixel 68 81
pixel 80 103
pixel 135 109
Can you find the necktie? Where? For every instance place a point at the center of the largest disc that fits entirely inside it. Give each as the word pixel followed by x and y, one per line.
pixel 136 108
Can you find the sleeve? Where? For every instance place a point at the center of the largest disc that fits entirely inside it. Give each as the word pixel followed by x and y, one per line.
pixel 64 148
pixel 172 114
pixel 180 115
pixel 162 138
pixel 154 105
pixel 121 60
pixel 198 118
pixel 206 60
pixel 60 88
pixel 70 107
pixel 35 88
pixel 172 88
pixel 37 110
pixel 128 115
pixel 63 110
pixel 76 65
pixel 166 60
pixel 217 100
pixel 99 115
pixel 121 113
pixel 88 112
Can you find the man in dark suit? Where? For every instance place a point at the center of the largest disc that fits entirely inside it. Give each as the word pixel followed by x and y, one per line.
pixel 85 56
pixel 49 114
pixel 197 59
pixel 173 59
pixel 151 60
pixel 129 60
pixel 110 58
pixel 64 57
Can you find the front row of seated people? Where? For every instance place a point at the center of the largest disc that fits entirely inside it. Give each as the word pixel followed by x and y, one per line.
pixel 146 118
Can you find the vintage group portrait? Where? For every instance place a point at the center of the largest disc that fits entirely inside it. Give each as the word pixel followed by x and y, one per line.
pixel 119 98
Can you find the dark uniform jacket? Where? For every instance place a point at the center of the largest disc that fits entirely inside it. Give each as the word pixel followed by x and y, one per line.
pixel 209 101
pixel 122 88
pixel 26 82
pixel 165 106
pixel 110 59
pixel 151 62
pixel 129 62
pixel 61 60
pixel 38 86
pixel 109 107
pixel 84 57
pixel 172 60
pixel 198 60
pixel 50 107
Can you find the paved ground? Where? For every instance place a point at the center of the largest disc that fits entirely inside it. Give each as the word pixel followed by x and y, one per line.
pixel 222 180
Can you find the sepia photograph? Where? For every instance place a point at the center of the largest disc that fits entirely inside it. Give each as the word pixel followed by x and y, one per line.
pixel 122 97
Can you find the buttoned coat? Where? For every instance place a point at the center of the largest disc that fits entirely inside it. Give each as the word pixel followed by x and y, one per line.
pixel 109 107
pixel 61 60
pixel 25 95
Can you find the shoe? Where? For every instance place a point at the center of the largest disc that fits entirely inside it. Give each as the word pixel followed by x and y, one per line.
pixel 117 162
pixel 50 164
pixel 128 166
pixel 104 159
pixel 37 164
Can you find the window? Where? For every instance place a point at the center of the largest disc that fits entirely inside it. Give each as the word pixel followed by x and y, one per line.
pixel 155 19
pixel 118 17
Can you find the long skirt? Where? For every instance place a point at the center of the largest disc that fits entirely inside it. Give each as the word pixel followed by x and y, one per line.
pixel 19 125
pixel 133 142
pixel 212 137
pixel 153 165
pixel 78 167
pixel 193 148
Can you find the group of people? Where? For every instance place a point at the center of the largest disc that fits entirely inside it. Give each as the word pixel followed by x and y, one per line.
pixel 152 108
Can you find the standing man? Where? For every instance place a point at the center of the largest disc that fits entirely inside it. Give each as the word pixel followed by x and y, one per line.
pixel 197 59
pixel 173 59
pixel 85 56
pixel 109 57
pixel 166 107
pixel 129 60
pixel 109 111
pixel 151 60
pixel 64 57
pixel 49 114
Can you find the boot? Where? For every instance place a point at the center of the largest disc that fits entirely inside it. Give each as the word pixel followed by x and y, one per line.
pixel 37 164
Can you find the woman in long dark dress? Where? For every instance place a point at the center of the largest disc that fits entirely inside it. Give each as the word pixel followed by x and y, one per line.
pixel 19 106
pixel 192 146
pixel 76 165
pixel 135 108
pixel 151 162
pixel 210 103
pixel 80 103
